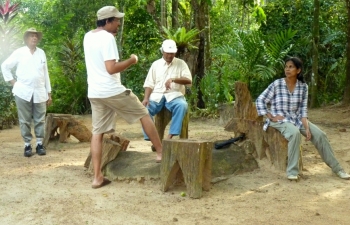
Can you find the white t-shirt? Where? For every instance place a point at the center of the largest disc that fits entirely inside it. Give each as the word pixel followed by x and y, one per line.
pixel 99 47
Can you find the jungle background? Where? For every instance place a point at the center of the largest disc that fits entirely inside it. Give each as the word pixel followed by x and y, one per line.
pixel 222 41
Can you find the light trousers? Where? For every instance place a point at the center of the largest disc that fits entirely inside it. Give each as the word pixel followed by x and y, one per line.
pixel 177 107
pixel 28 111
pixel 318 139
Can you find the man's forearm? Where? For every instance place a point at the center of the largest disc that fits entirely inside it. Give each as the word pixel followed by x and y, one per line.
pixel 148 92
pixel 181 80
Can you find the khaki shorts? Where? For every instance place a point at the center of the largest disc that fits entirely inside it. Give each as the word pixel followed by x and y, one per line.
pixel 104 111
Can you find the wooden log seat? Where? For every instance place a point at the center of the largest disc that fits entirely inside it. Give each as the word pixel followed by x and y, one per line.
pixel 162 119
pixel 190 159
pixel 61 126
pixel 270 144
pixel 111 146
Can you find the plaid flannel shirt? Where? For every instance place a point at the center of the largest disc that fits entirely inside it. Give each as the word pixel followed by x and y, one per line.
pixel 291 105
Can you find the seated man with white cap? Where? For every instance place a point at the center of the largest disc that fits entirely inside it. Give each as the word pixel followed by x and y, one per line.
pixel 165 87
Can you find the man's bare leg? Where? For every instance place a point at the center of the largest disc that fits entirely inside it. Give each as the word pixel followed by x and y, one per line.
pixel 170 136
pixel 151 131
pixel 96 154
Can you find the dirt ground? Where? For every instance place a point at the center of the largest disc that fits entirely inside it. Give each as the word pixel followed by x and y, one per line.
pixel 56 189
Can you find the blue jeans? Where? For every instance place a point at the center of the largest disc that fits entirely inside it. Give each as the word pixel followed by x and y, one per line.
pixel 177 107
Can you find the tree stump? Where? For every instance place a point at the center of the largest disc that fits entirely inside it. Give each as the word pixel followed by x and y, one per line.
pixel 191 157
pixel 162 119
pixel 111 146
pixel 270 144
pixel 61 126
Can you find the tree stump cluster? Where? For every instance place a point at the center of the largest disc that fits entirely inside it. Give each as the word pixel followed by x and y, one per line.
pixel 61 126
pixel 269 143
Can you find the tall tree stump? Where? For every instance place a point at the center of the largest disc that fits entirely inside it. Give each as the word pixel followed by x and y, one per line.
pixel 61 126
pixel 111 146
pixel 162 119
pixel 191 157
pixel 270 144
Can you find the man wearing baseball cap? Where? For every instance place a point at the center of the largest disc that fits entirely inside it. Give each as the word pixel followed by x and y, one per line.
pixel 107 95
pixel 165 87
pixel 31 88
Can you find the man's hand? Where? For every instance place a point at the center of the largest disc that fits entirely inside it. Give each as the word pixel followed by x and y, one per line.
pixel 49 101
pixel 133 56
pixel 168 84
pixel 145 102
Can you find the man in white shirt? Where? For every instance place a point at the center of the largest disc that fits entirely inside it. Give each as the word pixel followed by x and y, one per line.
pixel 31 88
pixel 106 93
pixel 165 87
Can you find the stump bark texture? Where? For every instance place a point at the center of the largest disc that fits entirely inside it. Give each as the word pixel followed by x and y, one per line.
pixel 162 119
pixel 191 157
pixel 111 146
pixel 61 126
pixel 269 143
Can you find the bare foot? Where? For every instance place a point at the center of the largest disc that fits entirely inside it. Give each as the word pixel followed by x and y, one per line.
pixel 97 181
pixel 159 157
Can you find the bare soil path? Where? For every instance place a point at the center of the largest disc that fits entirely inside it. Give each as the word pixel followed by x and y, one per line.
pixel 55 189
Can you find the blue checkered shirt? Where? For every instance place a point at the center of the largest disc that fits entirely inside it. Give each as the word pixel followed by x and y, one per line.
pixel 291 105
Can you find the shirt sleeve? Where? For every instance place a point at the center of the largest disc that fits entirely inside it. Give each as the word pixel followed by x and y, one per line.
pixel 185 72
pixel 110 50
pixel 303 105
pixel 151 77
pixel 263 99
pixel 7 66
pixel 47 78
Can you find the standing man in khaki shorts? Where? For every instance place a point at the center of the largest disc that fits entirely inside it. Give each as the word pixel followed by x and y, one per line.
pixel 107 95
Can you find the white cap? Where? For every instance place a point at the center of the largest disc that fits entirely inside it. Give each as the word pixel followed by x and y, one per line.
pixel 169 46
pixel 108 12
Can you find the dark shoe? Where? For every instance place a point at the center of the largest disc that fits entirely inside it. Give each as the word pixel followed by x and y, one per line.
pixel 28 151
pixel 40 150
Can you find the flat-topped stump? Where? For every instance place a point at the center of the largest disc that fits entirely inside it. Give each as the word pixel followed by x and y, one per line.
pixel 187 159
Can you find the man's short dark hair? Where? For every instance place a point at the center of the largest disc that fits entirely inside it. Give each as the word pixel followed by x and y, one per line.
pixel 102 23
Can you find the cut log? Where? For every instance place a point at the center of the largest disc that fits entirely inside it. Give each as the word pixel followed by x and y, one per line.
pixel 270 144
pixel 193 158
pixel 61 126
pixel 162 119
pixel 120 143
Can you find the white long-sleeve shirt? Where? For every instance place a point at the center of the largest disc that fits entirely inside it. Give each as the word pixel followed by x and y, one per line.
pixel 32 77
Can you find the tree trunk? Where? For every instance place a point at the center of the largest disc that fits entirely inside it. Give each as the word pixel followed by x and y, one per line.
pixel 346 97
pixel 315 44
pixel 174 14
pixel 202 23
pixel 163 13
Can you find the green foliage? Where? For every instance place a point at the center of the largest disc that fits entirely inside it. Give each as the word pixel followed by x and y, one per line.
pixel 8 42
pixel 298 15
pixel 8 110
pixel 70 83
pixel 182 37
pixel 255 58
